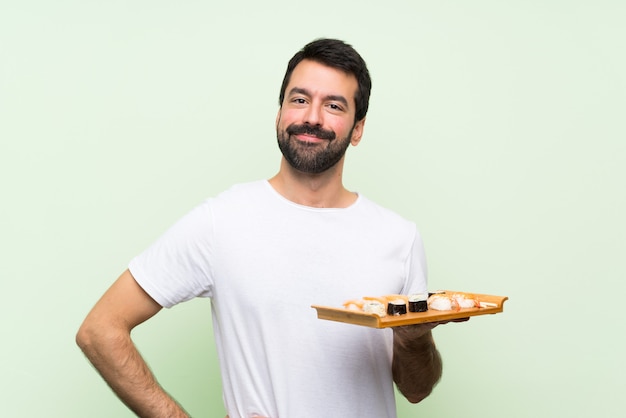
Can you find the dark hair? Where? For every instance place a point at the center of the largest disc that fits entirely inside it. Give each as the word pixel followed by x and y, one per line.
pixel 335 54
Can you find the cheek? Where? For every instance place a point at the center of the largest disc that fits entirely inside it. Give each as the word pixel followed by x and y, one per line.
pixel 341 128
pixel 285 118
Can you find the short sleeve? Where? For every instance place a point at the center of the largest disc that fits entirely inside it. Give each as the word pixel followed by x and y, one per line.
pixel 417 272
pixel 176 267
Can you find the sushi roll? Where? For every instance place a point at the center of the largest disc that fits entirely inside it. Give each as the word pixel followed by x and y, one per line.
pixel 396 307
pixel 436 292
pixel 418 302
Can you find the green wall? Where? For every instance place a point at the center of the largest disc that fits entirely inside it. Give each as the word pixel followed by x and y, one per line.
pixel 497 126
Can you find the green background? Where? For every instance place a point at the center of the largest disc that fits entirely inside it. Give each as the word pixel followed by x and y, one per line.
pixel 497 126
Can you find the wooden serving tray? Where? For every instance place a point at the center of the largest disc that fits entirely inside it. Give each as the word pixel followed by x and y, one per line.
pixel 355 317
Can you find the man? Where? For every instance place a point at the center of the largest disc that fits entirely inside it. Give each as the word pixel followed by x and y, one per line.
pixel 264 252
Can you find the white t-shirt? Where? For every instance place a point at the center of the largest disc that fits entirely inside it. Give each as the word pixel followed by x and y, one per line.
pixel 264 260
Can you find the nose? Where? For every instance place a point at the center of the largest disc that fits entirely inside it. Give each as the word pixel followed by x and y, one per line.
pixel 313 115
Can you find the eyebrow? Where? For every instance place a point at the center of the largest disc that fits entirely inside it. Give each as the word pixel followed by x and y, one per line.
pixel 332 97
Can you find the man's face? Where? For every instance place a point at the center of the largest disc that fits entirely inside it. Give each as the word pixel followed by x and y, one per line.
pixel 315 124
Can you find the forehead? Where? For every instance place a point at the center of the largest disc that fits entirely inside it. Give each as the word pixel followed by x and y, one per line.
pixel 322 80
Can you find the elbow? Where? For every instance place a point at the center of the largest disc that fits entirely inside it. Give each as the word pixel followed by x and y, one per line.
pixel 416 393
pixel 84 337
pixel 96 337
pixel 92 334
pixel 416 390
pixel 417 386
pixel 417 397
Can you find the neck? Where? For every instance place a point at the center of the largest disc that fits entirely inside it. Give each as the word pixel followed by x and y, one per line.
pixel 323 190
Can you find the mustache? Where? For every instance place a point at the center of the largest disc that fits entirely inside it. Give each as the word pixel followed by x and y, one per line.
pixel 311 130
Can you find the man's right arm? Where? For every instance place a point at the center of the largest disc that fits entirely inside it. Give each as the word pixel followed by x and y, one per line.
pixel 105 339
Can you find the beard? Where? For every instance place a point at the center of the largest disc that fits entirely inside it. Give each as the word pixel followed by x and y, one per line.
pixel 312 158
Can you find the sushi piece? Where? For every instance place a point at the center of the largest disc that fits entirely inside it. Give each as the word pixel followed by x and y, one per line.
pixel 436 292
pixel 440 302
pixel 375 307
pixel 418 302
pixel 465 301
pixel 354 304
pixel 396 307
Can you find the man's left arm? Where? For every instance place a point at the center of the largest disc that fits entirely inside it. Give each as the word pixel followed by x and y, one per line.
pixel 417 365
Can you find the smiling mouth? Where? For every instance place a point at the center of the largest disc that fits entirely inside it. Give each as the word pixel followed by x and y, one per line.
pixel 310 133
pixel 309 139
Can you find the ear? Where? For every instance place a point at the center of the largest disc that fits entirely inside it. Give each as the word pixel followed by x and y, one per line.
pixel 357 132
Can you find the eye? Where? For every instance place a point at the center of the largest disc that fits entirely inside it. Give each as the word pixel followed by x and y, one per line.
pixel 335 107
pixel 298 100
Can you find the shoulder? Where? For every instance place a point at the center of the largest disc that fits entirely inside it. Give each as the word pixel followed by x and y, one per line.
pixel 379 212
pixel 240 199
pixel 386 221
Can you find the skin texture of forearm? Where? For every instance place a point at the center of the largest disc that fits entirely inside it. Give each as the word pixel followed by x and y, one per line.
pixel 122 367
pixel 105 339
pixel 417 365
